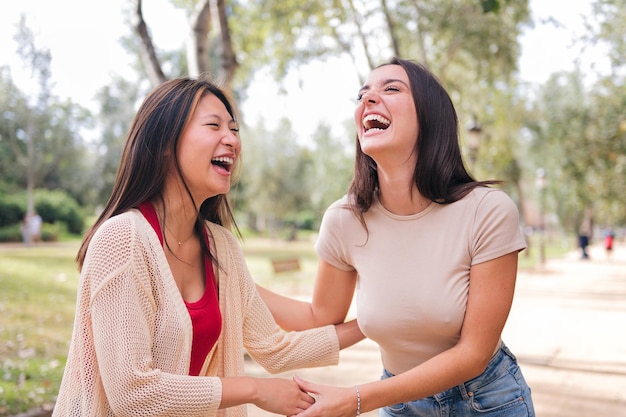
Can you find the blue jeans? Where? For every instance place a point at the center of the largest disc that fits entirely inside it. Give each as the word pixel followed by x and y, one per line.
pixel 500 391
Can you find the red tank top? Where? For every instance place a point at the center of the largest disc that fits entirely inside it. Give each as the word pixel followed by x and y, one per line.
pixel 206 318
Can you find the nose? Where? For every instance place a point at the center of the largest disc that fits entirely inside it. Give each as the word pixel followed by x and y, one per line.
pixel 231 140
pixel 369 97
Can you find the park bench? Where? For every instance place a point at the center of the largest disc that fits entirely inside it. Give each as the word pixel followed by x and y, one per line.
pixel 285 265
pixel 288 268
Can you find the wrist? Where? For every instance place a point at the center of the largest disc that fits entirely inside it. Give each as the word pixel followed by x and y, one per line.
pixel 358 401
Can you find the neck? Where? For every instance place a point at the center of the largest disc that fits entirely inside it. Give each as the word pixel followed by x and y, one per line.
pixel 181 240
pixel 401 196
pixel 177 221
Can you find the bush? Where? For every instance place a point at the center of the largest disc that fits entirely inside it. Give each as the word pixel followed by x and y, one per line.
pixel 58 210
pixel 11 233
pixel 12 210
pixel 57 205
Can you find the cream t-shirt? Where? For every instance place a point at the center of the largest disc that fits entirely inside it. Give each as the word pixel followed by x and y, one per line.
pixel 413 271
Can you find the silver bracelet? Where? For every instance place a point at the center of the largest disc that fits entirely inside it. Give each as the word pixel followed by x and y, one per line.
pixel 358 401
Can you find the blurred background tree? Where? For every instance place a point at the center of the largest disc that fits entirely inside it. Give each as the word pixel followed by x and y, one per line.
pixel 570 128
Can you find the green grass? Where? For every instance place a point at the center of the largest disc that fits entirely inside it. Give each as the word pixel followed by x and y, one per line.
pixel 38 293
pixel 37 298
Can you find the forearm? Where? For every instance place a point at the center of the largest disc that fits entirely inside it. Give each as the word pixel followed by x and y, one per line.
pixel 238 391
pixel 332 297
pixel 276 395
pixel 444 371
pixel 348 333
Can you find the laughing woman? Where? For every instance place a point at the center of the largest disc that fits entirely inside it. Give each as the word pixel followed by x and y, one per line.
pixel 434 253
pixel 166 305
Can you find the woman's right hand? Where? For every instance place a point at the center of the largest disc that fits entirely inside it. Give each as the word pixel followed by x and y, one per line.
pixel 282 396
pixel 276 395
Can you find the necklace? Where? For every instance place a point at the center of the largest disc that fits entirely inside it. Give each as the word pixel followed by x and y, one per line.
pixel 177 240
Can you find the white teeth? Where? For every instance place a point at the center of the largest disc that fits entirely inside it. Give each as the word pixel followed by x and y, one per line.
pixel 377 119
pixel 224 160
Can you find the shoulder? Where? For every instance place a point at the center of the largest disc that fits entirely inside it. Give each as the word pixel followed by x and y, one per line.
pixel 489 197
pixel 225 246
pixel 117 243
pixel 221 235
pixel 123 229
pixel 117 230
pixel 339 220
pixel 482 206
pixel 496 229
pixel 342 203
pixel 339 209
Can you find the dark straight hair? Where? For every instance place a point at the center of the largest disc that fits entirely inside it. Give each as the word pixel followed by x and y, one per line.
pixel 439 172
pixel 150 152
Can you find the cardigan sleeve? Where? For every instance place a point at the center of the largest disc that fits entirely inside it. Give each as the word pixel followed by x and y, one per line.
pixel 279 351
pixel 274 349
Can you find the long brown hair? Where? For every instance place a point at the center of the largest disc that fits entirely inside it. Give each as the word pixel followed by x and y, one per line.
pixel 439 172
pixel 150 153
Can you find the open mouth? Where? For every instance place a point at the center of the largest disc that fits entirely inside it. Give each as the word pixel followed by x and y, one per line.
pixel 224 162
pixel 375 122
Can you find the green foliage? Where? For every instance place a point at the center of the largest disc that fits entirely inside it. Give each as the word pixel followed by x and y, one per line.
pixel 12 209
pixel 576 133
pixel 490 5
pixel 118 101
pixel 59 211
pixel 12 233
pixel 58 205
pixel 49 232
pixel 41 143
pixel 287 185
pixel 579 136
pixel 611 18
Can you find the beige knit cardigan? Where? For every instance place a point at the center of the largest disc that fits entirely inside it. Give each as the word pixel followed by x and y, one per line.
pixel 131 344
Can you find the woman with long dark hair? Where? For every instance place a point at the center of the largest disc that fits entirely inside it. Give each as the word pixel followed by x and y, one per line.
pixel 432 254
pixel 166 305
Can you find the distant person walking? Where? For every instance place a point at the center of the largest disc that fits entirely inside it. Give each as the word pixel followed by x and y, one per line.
pixel 609 237
pixel 584 234
pixel 34 227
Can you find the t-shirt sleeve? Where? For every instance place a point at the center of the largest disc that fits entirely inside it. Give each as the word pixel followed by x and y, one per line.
pixel 497 229
pixel 329 245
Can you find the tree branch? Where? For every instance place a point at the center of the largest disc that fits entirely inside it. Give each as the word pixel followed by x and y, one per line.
pixel 229 59
pixel 148 53
pixel 198 48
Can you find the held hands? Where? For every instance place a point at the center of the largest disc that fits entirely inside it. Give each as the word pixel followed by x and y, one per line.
pixel 282 396
pixel 330 401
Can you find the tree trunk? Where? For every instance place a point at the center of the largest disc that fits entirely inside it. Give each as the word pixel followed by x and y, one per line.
pixel 148 53
pixel 198 47
pixel 229 60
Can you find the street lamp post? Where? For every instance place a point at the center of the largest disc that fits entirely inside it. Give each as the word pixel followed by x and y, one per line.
pixel 474 132
pixel 541 186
